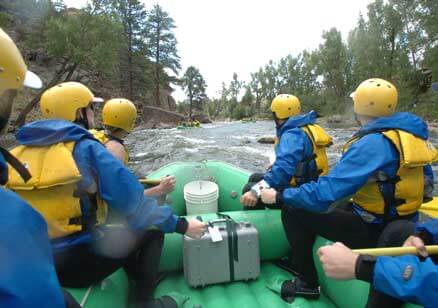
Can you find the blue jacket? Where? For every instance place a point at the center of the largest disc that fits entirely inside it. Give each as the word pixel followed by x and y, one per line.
pixel 355 166
pixel 293 146
pixel 117 186
pixel 422 285
pixel 27 273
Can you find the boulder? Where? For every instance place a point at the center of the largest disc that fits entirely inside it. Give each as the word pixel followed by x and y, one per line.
pixel 335 119
pixel 154 117
pixel 202 119
pixel 267 139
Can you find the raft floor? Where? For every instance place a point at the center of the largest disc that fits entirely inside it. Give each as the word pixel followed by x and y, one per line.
pixel 241 294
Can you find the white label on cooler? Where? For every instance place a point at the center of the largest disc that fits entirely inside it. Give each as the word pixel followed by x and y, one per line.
pixel 215 234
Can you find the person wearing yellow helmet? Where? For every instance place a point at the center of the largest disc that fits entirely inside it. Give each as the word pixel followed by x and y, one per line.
pixel 119 116
pixel 300 151
pixel 382 171
pixel 21 227
pixel 72 171
pixel 300 155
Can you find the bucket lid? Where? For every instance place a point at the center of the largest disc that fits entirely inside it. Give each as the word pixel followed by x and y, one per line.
pixel 200 188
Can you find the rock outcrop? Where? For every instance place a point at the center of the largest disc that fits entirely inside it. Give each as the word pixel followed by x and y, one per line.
pixel 155 117
pixel 267 139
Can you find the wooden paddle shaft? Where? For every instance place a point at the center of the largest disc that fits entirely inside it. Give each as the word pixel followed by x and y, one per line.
pixel 396 251
pixel 151 182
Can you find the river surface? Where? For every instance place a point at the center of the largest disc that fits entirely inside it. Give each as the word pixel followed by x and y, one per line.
pixel 232 142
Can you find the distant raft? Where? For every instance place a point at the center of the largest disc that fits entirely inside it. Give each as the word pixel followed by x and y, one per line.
pixel 189 124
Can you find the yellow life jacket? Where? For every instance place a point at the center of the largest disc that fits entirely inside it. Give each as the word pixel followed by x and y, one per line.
pixel 414 154
pixel 103 138
pixel 52 190
pixel 320 142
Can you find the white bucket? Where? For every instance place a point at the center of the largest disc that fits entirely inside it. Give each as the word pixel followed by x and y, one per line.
pixel 201 197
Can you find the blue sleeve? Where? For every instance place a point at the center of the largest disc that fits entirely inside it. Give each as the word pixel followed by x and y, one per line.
pixel 120 189
pixel 27 273
pixel 371 153
pixel 421 287
pixel 428 172
pixel 431 227
pixel 289 152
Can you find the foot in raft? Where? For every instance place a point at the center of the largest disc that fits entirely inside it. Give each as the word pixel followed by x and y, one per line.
pixel 289 289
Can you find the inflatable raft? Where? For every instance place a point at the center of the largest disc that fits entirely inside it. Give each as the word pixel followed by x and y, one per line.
pixel 112 292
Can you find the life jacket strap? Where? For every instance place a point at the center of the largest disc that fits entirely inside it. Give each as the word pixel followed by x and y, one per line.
pixel 386 185
pixel 111 137
pixel 88 219
pixel 16 164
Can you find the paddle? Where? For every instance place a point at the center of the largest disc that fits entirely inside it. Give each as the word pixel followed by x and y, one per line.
pixel 431 210
pixel 396 251
pixel 151 182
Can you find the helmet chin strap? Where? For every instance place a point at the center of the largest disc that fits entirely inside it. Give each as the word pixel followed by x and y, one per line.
pixel 277 120
pixel 356 118
pixel 83 119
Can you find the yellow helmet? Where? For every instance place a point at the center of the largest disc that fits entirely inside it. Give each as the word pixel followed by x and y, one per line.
pixel 285 106
pixel 120 113
pixel 65 99
pixel 13 70
pixel 375 97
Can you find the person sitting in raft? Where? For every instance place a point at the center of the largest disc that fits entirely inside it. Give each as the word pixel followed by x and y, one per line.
pixel 300 155
pixel 382 168
pixel 407 278
pixel 70 170
pixel 119 116
pixel 27 273
pixel 300 151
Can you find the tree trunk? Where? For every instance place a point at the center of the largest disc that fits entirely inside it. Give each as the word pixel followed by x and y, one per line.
pixel 257 104
pixel 130 77
pixel 21 119
pixel 157 86
pixel 157 67
pixel 191 102
pixel 391 57
pixel 71 70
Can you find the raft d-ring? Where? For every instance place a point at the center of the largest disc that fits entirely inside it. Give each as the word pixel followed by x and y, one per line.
pixel 233 194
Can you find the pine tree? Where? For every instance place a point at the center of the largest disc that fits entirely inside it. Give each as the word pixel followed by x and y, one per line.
pixel 195 86
pixel 161 43
pixel 133 16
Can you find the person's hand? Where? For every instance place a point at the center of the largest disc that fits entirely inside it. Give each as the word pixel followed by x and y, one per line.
pixel 338 261
pixel 269 196
pixel 196 229
pixel 167 184
pixel 417 243
pixel 248 199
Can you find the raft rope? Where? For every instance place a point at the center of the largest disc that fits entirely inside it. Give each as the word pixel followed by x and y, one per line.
pixel 85 298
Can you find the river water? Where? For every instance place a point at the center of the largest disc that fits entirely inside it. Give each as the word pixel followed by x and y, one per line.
pixel 232 142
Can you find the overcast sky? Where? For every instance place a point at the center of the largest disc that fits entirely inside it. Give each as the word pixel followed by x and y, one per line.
pixel 220 37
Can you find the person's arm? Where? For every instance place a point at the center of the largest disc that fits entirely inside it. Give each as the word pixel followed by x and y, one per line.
pixel 28 276
pixel 403 277
pixel 121 190
pixel 166 186
pixel 407 278
pixel 290 151
pixel 369 154
pixel 116 149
